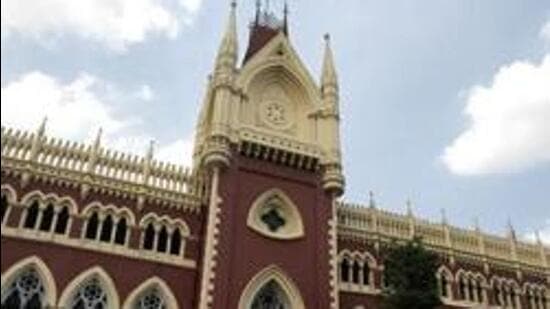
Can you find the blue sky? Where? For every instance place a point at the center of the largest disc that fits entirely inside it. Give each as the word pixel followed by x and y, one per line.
pixel 443 102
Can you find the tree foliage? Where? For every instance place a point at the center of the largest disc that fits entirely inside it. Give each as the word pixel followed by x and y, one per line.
pixel 409 277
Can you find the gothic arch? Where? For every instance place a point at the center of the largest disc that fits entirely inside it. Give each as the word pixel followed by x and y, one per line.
pixel 154 282
pixel 94 272
pixel 110 209
pixel 10 193
pixel 43 271
pixel 293 226
pixel 267 275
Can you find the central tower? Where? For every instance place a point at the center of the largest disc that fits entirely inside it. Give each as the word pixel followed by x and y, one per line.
pixel 268 138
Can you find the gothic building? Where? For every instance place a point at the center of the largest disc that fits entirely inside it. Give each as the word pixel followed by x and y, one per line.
pixel 256 222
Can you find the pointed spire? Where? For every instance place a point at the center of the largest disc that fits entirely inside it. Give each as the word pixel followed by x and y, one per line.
pixel 477 228
pixel 511 230
pixel 372 201
pixel 97 142
pixel 444 216
pixel 150 150
pixel 537 237
pixel 285 18
pixel 329 79
pixel 42 128
pixel 227 53
pixel 409 207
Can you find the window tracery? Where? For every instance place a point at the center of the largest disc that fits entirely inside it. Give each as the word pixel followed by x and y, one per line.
pixel 90 295
pixel 25 292
pixel 270 296
pixel 152 299
pixel 47 213
pixel 163 235
pixel 107 224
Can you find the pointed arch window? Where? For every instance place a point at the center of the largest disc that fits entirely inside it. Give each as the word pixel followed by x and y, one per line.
pixel 4 204
pixel 120 234
pixel 26 292
pixel 62 221
pixel 355 272
pixel 175 245
pixel 91 295
pixel 149 238
pixel 47 218
pixel 152 299
pixel 270 296
pixel 344 270
pixel 31 215
pixel 366 273
pixel 479 290
pixel 162 240
pixel 92 226
pixel 444 284
pixel 107 229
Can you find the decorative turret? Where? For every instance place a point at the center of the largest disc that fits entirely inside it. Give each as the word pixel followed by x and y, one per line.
pixel 330 123
pixel 226 60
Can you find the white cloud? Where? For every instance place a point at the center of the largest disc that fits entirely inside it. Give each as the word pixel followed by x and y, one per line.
pixel 509 126
pixel 115 23
pixel 145 93
pixel 77 109
pixel 179 151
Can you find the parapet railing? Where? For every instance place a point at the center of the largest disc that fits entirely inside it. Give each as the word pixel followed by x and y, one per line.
pixel 95 165
pixel 371 221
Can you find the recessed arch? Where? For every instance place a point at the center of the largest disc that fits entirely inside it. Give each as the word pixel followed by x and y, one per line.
pixel 152 283
pixel 277 204
pixel 272 274
pixel 35 263
pixel 10 193
pixel 96 272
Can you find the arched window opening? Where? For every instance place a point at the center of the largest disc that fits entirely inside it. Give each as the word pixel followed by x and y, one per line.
pixel 4 205
pixel 462 287
pixel 90 295
pixel 536 299
pixel 366 274
pixel 355 272
pixel 26 292
pixel 107 229
pixel 344 270
pixel 62 221
pixel 270 296
pixel 31 216
pixel 175 245
pixel 152 299
pixel 444 282
pixel 92 226
pixel 163 240
pixel 496 292
pixel 470 282
pixel 513 297
pixel 121 230
pixel 47 218
pixel 149 238
pixel 479 287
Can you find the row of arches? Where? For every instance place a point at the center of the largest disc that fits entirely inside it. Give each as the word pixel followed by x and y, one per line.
pixel 29 284
pixel 357 268
pixel 48 213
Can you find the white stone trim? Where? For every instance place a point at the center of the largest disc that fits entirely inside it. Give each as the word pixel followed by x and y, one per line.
pixel 95 272
pixel 43 271
pixel 154 282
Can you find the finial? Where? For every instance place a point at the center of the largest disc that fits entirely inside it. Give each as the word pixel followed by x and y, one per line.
pixel 409 207
pixel 285 18
pixel 233 4
pixel 511 230
pixel 97 141
pixel 326 37
pixel 151 150
pixel 443 216
pixel 372 202
pixel 42 128
pixel 329 79
pixel 476 224
pixel 537 237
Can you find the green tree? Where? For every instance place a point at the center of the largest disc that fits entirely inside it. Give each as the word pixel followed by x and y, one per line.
pixel 409 277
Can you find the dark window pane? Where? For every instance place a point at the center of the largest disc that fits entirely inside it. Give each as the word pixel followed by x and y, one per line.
pixel 149 238
pixel 34 302
pixel 32 216
pixel 12 301
pixel 47 218
pixel 120 234
pixel 355 272
pixel 4 205
pixel 175 246
pixel 344 270
pixel 62 221
pixel 163 240
pixel 107 229
pixel 92 226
